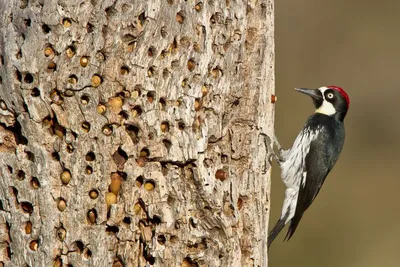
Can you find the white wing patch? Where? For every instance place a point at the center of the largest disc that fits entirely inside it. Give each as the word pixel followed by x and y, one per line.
pixel 326 108
pixel 303 182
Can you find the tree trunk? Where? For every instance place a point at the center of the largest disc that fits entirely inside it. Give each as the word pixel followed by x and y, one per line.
pixel 130 132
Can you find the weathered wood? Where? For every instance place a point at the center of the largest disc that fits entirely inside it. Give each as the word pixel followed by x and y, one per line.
pixel 130 132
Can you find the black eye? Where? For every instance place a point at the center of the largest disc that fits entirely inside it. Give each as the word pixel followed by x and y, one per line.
pixel 330 95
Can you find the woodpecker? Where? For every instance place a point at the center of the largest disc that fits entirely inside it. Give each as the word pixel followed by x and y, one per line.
pixel 315 151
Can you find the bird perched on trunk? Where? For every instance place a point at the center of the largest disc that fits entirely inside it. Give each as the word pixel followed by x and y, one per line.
pixel 314 153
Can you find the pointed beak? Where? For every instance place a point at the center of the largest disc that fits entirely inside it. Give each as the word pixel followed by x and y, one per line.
pixel 314 93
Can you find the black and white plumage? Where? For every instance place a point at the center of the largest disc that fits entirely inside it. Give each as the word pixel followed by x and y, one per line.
pixel 314 153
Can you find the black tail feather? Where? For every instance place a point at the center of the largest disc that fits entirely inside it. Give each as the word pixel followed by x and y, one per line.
pixel 276 230
pixel 293 226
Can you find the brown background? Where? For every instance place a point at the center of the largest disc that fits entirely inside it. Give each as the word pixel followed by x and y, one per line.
pixel 355 220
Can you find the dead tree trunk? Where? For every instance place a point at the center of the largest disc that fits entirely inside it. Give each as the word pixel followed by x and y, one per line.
pixel 130 132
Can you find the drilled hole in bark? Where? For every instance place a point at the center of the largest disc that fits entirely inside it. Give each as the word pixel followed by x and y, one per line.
pixel 27 207
pixel 127 220
pixel 35 92
pixel 77 246
pixel 137 111
pixel 107 130
pixel 72 79
pixel 149 185
pixel 151 71
pixel 151 51
pixel 45 28
pixel 61 233
pixel 133 132
pixel 88 170
pixel 163 103
pixel 139 181
pixel 91 216
pixel 18 55
pixel 112 229
pixel 181 125
pixel 124 114
pixel 192 222
pixel 156 220
pixel 85 99
pixel 21 175
pixel 56 97
pixel 191 64
pixel 93 194
pixel 30 156
pixel 27 22
pixel 84 61
pixel 66 22
pixel 61 204
pixel 164 127
pixel 89 28
pixel 161 239
pixel 52 66
pixel 35 183
pixel 224 158
pixel 124 70
pixel 167 143
pixel 87 253
pixel 180 17
pixel 120 157
pixel 86 126
pixel 145 152
pixel 55 155
pixel 70 148
pixel 10 169
pixel 34 245
pixel 18 75
pixel 90 156
pixel 28 228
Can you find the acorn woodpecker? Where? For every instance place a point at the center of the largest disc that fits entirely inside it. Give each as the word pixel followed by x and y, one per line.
pixel 314 153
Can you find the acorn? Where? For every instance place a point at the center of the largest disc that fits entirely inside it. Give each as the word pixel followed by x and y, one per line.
pixel 91 216
pixel 61 204
pixel 111 198
pixel 164 127
pixel 84 61
pixel 179 18
pixel 149 185
pixel 28 228
pixel 48 51
pixel 101 109
pixel 34 245
pixel 115 185
pixel 65 177
pixel 96 80
pixel 221 175
pixel 93 194
pixel 66 22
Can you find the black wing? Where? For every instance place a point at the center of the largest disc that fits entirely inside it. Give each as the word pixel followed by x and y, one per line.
pixel 318 163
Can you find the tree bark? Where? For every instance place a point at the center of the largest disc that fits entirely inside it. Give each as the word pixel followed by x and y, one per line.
pixel 130 132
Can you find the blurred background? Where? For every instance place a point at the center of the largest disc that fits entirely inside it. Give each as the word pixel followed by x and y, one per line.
pixel 355 220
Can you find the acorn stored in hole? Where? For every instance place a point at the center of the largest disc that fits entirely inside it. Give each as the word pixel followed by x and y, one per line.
pixel 221 175
pixel 84 61
pixel 111 198
pixel 96 80
pixel 116 182
pixel 61 204
pixel 65 177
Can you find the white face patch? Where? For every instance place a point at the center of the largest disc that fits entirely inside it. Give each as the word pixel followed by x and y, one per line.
pixel 326 108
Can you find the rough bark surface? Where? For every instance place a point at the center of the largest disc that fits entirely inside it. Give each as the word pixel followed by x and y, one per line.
pixel 130 132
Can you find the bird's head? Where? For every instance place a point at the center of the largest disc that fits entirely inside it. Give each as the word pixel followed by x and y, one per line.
pixel 329 100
